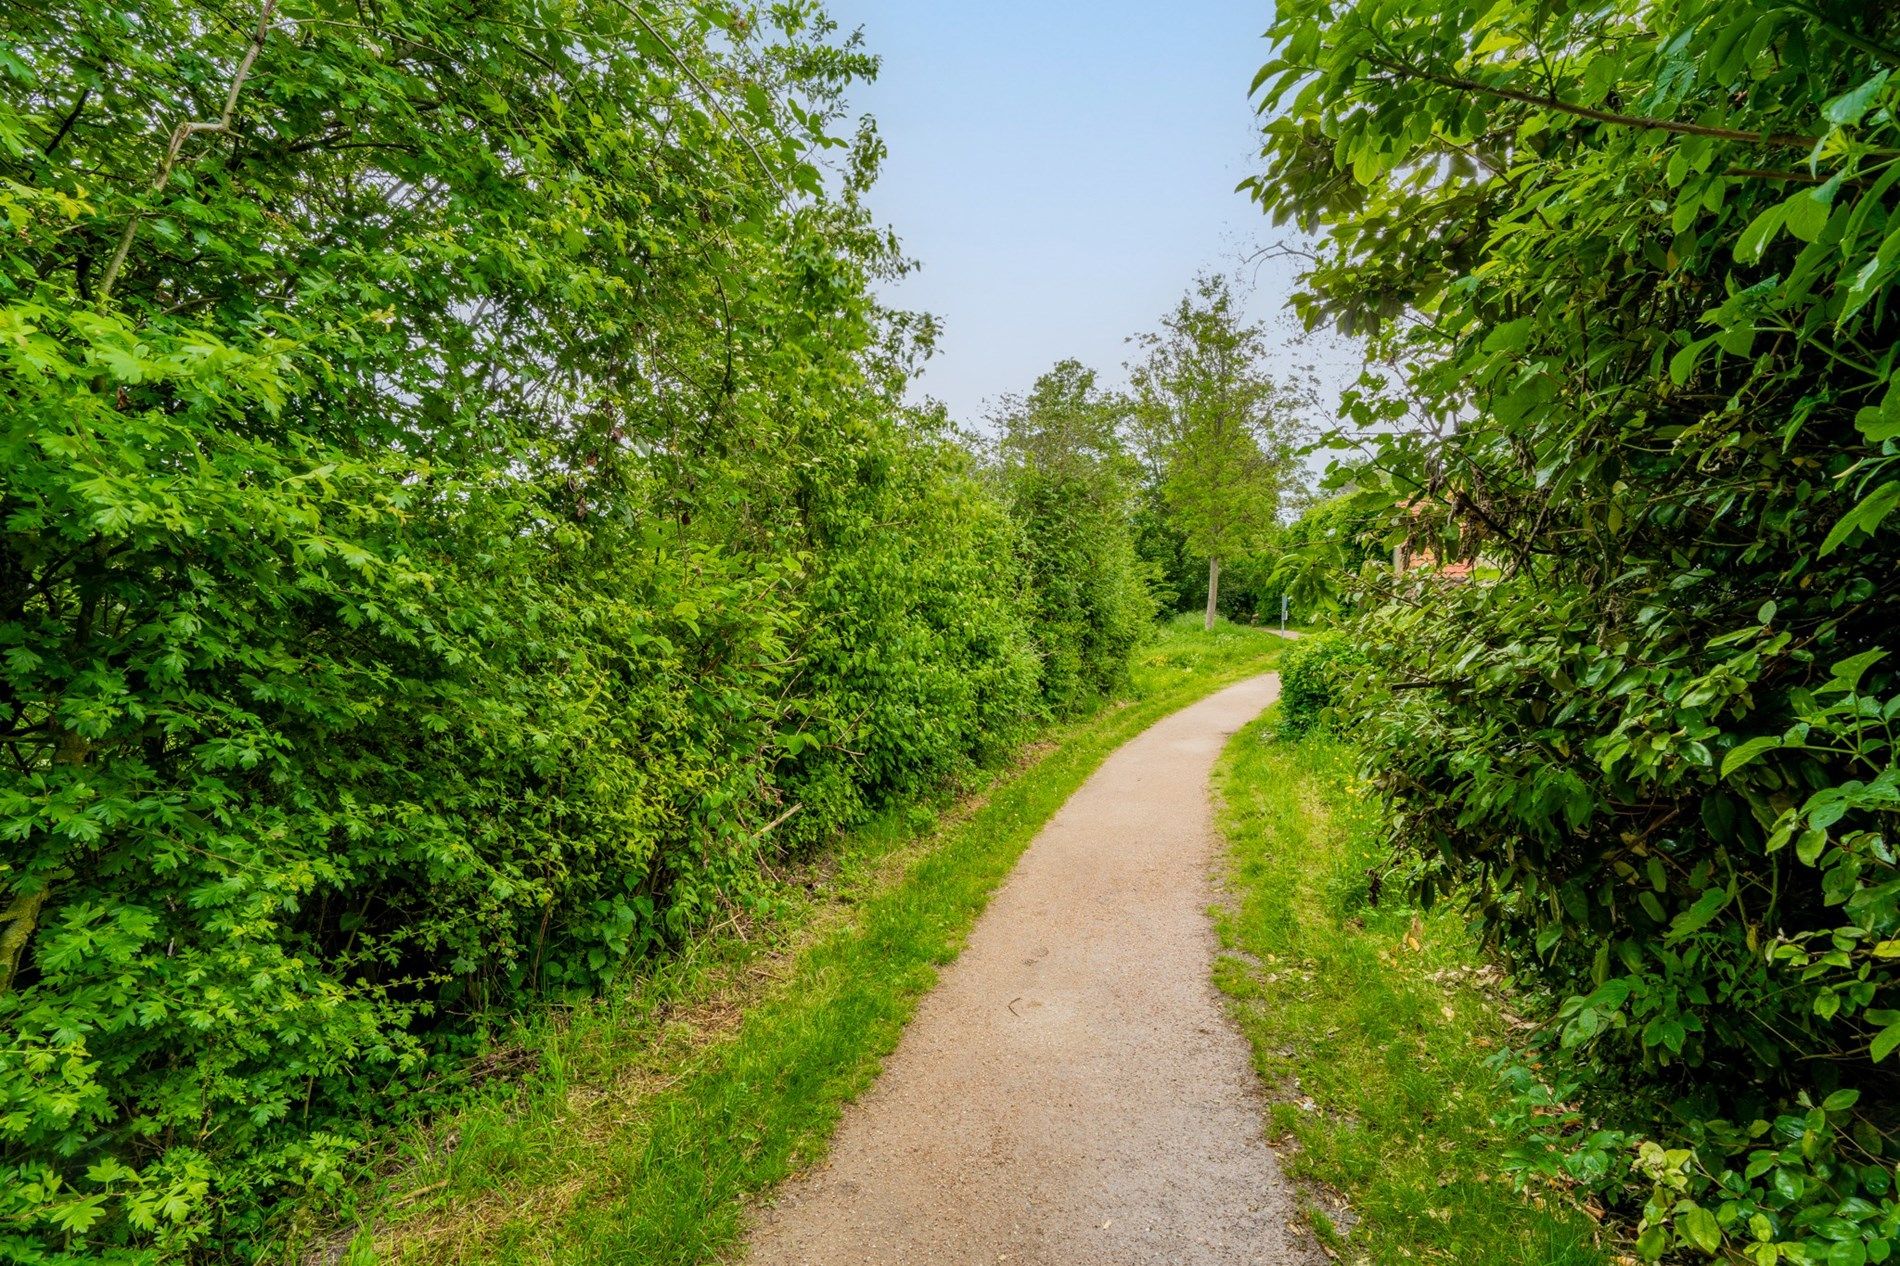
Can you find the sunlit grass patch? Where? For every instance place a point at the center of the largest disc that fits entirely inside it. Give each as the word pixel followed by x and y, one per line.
pixel 1371 1024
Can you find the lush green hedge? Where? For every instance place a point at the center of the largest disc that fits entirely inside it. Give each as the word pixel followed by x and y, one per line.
pixel 1062 472
pixel 1648 363
pixel 1315 678
pixel 457 522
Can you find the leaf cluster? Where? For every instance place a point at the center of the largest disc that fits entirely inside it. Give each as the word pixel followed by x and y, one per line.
pixel 1632 267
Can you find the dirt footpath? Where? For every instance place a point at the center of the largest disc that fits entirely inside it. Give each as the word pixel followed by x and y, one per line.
pixel 1071 1093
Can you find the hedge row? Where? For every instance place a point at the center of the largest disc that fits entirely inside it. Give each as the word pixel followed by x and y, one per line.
pixel 457 521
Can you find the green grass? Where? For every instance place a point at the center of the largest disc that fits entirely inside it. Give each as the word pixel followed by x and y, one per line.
pixel 643 1124
pixel 1370 1025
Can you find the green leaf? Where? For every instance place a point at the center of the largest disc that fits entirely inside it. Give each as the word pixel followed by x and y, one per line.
pixel 1512 336
pixel 1848 108
pixel 1743 753
pixel 1884 1042
pixel 1700 1228
pixel 1760 231
pixel 1881 422
pixel 1807 216
pixel 1737 340
pixel 1841 1100
pixel 1847 1253
pixel 1865 517
pixel 1698 916
pixel 1849 671
pixel 1682 364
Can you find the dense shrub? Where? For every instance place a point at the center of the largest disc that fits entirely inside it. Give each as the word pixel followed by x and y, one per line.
pixel 922 650
pixel 1647 254
pixel 456 519
pixel 1063 476
pixel 1315 674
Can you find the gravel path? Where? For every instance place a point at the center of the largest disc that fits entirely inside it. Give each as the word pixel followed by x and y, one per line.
pixel 1071 1093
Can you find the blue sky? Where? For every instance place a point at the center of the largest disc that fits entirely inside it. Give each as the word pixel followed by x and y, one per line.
pixel 1061 170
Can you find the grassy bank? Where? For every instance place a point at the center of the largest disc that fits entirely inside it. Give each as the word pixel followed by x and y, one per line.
pixel 1371 1025
pixel 634 1130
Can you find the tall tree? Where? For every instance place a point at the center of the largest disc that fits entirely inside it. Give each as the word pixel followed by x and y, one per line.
pixel 1065 472
pixel 1217 432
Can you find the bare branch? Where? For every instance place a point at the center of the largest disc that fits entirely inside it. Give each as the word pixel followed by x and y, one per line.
pixel 182 133
pixel 1782 139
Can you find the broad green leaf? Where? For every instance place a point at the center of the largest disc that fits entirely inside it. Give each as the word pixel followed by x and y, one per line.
pixel 1867 516
pixel 1745 752
pixel 1881 422
pixel 1759 233
pixel 1848 108
pixel 1806 216
pixel 1700 1228
pixel 1849 671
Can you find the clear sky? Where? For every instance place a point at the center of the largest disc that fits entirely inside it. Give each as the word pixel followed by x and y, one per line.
pixel 1061 169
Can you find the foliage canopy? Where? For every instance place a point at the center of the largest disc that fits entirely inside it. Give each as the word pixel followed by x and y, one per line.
pixel 1065 477
pixel 1633 266
pixel 455 521
pixel 1218 431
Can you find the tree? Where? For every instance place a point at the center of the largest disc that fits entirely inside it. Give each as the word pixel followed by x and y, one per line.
pixel 1065 476
pixel 1216 432
pixel 1638 264
pixel 456 518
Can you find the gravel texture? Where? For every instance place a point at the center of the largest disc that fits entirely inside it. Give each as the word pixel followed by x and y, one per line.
pixel 1071 1092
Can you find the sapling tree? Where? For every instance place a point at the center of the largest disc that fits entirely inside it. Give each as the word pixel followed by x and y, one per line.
pixel 1218 433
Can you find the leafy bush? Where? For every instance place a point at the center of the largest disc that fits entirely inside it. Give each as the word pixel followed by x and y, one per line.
pixel 457 522
pixel 1063 479
pixel 1314 675
pixel 1648 257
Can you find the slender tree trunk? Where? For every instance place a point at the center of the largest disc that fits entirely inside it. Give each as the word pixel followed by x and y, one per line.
pixel 20 919
pixel 23 916
pixel 1213 591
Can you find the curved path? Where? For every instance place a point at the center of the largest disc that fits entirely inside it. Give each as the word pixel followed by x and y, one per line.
pixel 1071 1093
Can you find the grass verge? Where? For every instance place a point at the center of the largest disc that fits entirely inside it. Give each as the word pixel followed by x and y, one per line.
pixel 1371 1025
pixel 647 1121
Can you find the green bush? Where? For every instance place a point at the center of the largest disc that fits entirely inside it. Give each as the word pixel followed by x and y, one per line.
pixel 457 523
pixel 1062 476
pixel 1652 380
pixel 1314 674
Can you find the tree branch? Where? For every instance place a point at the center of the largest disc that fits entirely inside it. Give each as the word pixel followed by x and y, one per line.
pixel 66 125
pixel 705 93
pixel 1783 139
pixel 182 133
